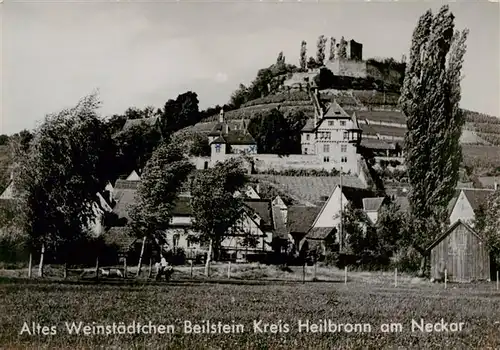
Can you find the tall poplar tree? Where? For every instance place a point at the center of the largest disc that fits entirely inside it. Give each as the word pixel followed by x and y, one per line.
pixel 333 45
pixel 430 100
pixel 303 55
pixel 320 54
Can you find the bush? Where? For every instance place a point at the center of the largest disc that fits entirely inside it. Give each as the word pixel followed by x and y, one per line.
pixel 176 257
pixel 406 260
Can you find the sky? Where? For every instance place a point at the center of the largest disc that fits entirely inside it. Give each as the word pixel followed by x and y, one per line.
pixel 144 53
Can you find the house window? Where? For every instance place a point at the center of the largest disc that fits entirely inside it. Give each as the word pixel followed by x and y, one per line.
pixel 307 137
pixel 342 123
pixel 326 159
pixel 346 135
pixel 331 123
pixel 328 135
pixel 343 148
pixel 217 148
pixel 326 148
pixel 343 160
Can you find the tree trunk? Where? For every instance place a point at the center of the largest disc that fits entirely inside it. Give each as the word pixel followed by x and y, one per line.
pixel 139 265
pixel 40 265
pixel 29 265
pixel 423 263
pixel 209 258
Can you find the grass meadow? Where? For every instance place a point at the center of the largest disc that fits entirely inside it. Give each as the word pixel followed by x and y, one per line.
pixel 53 303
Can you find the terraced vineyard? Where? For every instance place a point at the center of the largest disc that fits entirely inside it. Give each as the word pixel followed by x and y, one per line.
pixel 310 188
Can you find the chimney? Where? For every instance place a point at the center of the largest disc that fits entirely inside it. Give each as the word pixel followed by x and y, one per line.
pixel 221 115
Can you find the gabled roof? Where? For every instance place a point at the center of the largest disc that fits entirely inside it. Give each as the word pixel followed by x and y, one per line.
pixel 356 195
pixel 8 193
pixel 373 204
pixel 231 125
pixel 126 184
pixel 219 140
pixel 489 181
pixel 477 197
pixel 320 232
pixel 262 207
pixel 125 198
pixel 335 111
pixel 133 176
pixel 301 218
pixel 239 137
pixel 451 229
pixel 377 144
pixel 120 237
pixel 309 127
pixel 130 123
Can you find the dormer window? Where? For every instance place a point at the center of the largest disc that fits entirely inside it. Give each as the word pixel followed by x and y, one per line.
pixel 331 123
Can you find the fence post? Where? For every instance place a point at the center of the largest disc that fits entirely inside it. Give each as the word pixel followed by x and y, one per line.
pixel 315 271
pixel 229 270
pixel 497 279
pixel 30 265
pixel 445 277
pixel 65 270
pixel 97 269
pixel 191 267
pixel 345 275
pixel 395 277
pixel 304 273
pixel 124 266
pixel 150 268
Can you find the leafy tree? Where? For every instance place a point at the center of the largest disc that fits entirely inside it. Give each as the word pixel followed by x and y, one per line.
pixel 179 113
pixel 161 180
pixel 200 146
pixel 430 99
pixel 303 55
pixel 333 44
pixel 271 131
pixel 321 46
pixel 296 120
pixel 389 230
pixel 134 147
pixel 4 139
pixel 311 63
pixel 488 225
pixel 239 97
pixel 216 210
pixel 58 177
pixel 280 59
pixel 342 48
pixel 354 227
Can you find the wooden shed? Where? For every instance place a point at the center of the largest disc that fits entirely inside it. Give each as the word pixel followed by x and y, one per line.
pixel 462 252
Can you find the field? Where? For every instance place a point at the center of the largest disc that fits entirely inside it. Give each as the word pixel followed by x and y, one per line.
pixel 254 292
pixel 53 304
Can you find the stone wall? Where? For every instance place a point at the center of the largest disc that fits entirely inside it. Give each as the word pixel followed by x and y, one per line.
pixel 349 68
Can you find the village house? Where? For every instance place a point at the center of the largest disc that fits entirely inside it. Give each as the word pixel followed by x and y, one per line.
pixel 466 204
pixel 256 223
pixel 333 136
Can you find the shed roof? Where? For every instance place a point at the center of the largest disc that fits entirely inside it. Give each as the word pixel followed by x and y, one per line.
pixel 451 229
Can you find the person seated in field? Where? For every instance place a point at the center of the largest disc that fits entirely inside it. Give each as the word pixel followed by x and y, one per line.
pixel 164 269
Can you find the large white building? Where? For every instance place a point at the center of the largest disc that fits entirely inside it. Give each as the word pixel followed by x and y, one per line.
pixel 334 136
